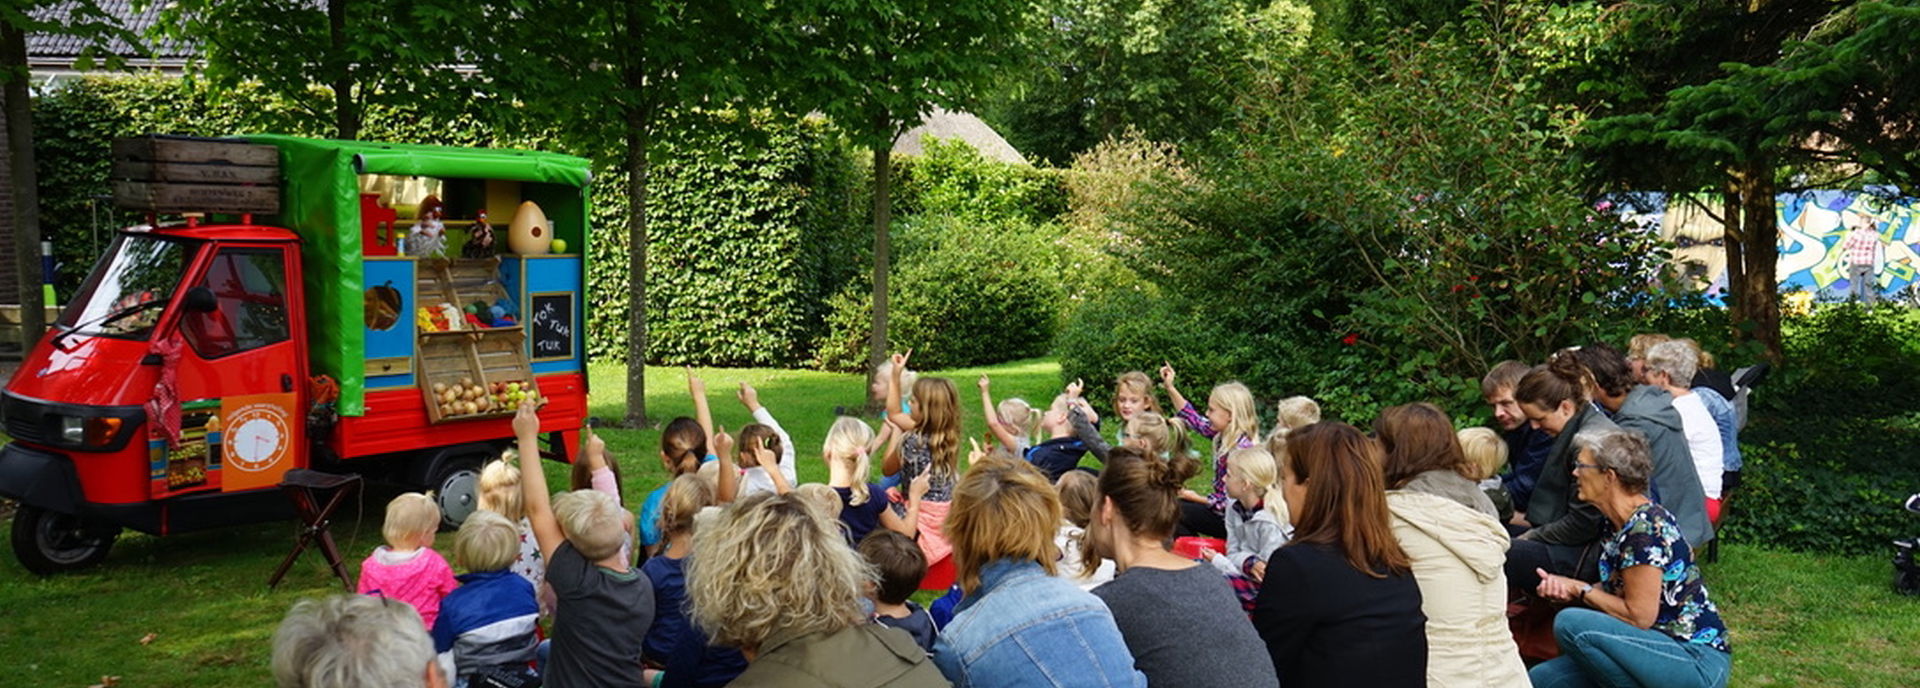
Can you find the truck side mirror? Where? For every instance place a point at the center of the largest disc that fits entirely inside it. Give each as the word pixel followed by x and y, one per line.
pixel 201 300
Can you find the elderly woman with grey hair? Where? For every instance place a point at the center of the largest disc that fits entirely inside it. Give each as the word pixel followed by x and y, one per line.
pixel 1671 366
pixel 1649 621
pixel 353 641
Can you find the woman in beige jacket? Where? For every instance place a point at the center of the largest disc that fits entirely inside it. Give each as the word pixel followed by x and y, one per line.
pixel 1458 549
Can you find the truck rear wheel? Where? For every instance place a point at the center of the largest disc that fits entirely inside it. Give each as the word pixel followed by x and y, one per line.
pixel 49 542
pixel 455 485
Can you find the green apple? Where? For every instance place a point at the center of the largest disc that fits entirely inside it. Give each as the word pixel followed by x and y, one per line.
pixel 559 245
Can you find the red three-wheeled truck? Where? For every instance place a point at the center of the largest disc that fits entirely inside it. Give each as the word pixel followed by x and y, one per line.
pixel 339 306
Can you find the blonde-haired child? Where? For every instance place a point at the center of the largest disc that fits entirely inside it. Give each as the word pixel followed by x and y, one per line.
pixel 1487 453
pixel 927 441
pixel 686 496
pixel 1158 436
pixel 1132 394
pixel 1079 497
pixel 406 568
pixel 1293 413
pixel 1257 521
pixel 1061 451
pixel 580 536
pixel 1232 423
pixel 877 394
pixel 1012 422
pixel 492 620
pixel 499 492
pixel 863 505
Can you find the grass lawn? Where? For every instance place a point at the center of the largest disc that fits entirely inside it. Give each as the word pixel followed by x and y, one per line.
pixel 193 610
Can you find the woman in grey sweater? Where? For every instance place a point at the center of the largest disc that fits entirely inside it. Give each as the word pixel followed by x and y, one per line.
pixel 1180 619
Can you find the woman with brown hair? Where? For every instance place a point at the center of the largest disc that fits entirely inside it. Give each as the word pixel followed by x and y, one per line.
pixel 1181 619
pixel 1340 605
pixel 1423 455
pixel 1457 550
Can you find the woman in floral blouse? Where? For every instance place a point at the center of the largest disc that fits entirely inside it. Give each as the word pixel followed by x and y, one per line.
pixel 1648 622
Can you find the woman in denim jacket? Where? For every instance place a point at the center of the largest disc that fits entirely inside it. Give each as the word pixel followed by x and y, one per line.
pixel 1020 625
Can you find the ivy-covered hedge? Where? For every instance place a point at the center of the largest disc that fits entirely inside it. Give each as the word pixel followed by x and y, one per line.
pixel 752 226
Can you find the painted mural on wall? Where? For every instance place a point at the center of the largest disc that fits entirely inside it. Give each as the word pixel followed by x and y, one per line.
pixel 1813 237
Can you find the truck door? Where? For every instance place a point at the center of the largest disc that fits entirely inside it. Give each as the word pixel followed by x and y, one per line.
pixel 242 373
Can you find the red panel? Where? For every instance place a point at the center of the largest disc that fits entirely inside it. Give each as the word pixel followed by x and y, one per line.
pixel 396 420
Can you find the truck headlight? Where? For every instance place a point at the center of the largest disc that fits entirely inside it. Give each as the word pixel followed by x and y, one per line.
pixel 95 431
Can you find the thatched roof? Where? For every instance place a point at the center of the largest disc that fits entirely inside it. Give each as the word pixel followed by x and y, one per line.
pixel 962 126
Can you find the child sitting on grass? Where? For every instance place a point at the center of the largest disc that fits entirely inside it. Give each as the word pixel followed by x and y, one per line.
pixel 1011 422
pixel 1061 451
pixel 768 431
pixel 603 606
pixel 900 566
pixel 1487 453
pixel 863 505
pixel 683 449
pixel 490 622
pixel 1079 496
pixel 499 492
pixel 673 644
pixel 1257 522
pixel 406 568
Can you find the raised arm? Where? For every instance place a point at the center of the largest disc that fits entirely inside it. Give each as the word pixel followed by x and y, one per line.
pixel 697 388
pixel 1173 393
pixel 533 482
pixel 900 419
pixel 750 398
pixel 729 478
pixel 1000 430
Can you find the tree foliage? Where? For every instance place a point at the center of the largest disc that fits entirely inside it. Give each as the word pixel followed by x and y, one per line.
pixel 1165 69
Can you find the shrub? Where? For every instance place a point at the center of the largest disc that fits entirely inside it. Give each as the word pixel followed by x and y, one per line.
pixel 960 295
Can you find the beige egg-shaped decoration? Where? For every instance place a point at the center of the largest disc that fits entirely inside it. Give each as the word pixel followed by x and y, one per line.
pixel 530 234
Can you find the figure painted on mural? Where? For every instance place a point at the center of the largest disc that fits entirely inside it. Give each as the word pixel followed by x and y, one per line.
pixel 1864 252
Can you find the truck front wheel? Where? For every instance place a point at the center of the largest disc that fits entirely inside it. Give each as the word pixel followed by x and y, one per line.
pixel 49 542
pixel 455 486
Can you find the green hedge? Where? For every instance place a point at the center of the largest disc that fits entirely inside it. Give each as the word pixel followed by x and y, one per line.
pixel 752 226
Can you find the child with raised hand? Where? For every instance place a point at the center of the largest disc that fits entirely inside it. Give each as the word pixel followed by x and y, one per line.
pixel 928 443
pixel 1062 450
pixel 1257 522
pixel 683 447
pixel 770 434
pixel 883 376
pixel 1012 421
pixel 406 568
pixel 596 470
pixel 490 623
pixel 499 492
pixel 1231 423
pixel 604 606
pixel 672 631
pixel 863 505
pixel 900 565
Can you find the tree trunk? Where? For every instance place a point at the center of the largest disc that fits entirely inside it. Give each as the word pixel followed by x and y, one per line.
pixel 346 113
pixel 639 123
pixel 1761 251
pixel 1736 263
pixel 26 189
pixel 882 218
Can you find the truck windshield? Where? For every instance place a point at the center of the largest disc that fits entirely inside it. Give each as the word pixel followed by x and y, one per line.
pixel 129 287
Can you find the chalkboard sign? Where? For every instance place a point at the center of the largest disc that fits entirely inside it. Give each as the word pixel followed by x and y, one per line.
pixel 550 320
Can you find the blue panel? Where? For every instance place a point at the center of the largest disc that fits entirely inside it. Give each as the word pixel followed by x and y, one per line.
pixel 559 274
pixel 511 268
pixel 378 382
pixel 396 341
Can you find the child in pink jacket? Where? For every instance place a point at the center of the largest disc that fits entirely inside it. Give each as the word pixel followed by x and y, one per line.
pixel 406 568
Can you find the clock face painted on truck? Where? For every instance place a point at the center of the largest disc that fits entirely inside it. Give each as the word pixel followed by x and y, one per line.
pixel 257 436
